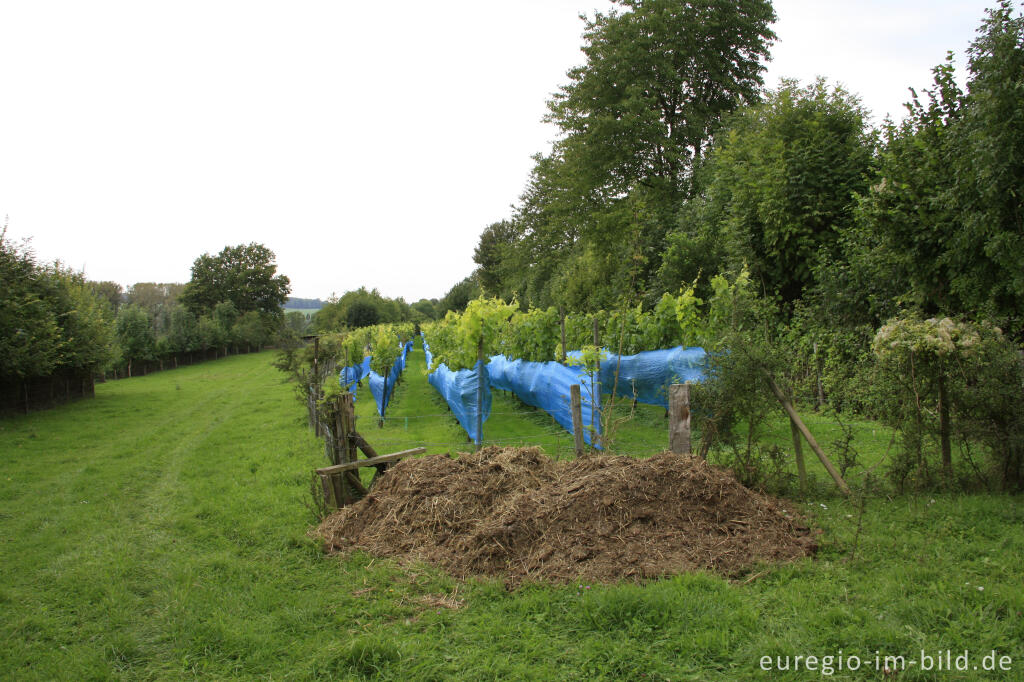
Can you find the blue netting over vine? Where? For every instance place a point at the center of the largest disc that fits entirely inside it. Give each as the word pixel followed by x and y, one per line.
pixel 459 390
pixel 547 385
pixel 648 374
pixel 349 376
pixel 382 387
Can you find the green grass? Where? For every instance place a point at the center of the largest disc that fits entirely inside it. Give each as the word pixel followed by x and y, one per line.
pixel 159 532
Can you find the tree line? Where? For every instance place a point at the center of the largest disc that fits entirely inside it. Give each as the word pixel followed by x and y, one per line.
pixel 59 331
pixel 366 308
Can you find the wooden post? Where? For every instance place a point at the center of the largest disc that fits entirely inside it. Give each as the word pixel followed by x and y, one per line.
pixel 679 419
pixel 595 388
pixel 947 458
pixel 808 436
pixel 384 399
pixel 330 497
pixel 798 450
pixel 348 426
pixel 576 406
pixel 316 359
pixel 480 392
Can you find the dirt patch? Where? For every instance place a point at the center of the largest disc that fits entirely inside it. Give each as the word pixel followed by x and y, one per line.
pixel 515 512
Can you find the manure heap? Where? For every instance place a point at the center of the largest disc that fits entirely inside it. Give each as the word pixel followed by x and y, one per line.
pixel 515 513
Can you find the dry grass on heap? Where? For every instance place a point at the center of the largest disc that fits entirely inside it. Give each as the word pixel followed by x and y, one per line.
pixel 515 512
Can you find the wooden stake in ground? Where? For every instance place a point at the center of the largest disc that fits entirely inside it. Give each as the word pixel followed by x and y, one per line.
pixel 679 419
pixel 808 436
pixel 799 453
pixel 480 392
pixel 595 389
pixel 577 418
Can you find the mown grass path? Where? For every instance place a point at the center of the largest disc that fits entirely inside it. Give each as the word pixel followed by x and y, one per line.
pixel 159 532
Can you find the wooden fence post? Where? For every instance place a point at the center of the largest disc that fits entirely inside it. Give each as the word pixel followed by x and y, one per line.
pixel 799 452
pixel 480 393
pixel 836 476
pixel 679 419
pixel 577 418
pixel 595 388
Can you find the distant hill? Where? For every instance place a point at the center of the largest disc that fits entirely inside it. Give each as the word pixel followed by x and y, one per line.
pixel 303 303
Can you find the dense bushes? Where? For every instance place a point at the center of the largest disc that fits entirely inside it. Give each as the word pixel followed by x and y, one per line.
pixel 54 331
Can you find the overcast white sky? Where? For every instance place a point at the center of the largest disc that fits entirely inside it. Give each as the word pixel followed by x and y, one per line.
pixel 364 143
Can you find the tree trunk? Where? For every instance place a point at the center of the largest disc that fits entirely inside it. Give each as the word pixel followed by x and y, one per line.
pixel 947 458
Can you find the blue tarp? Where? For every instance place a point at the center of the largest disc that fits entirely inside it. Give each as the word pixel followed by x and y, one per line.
pixel 382 387
pixel 459 389
pixel 546 385
pixel 650 373
pixel 348 376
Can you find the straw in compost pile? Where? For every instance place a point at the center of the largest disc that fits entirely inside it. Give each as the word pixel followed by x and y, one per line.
pixel 516 513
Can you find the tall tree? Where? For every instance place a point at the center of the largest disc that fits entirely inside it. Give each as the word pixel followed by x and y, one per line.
pixel 245 275
pixel 988 260
pixel 51 320
pixel 656 82
pixel 135 334
pixel 112 292
pixel 635 119
pixel 360 307
pixel 459 296
pixel 948 205
pixel 784 174
pixel 493 255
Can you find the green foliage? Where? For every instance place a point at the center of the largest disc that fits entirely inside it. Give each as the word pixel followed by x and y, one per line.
pixel 183 335
pixel 85 323
pixel 243 274
pixel 740 337
pixel 152 295
pixel 135 334
pixel 493 255
pixel 643 106
pixel 111 292
pixel 947 205
pixel 32 340
pixel 425 309
pixel 532 335
pixel 459 296
pixel 980 374
pixel 296 322
pixel 589 230
pixel 251 329
pixel 385 348
pixel 457 340
pixel 785 173
pixel 361 308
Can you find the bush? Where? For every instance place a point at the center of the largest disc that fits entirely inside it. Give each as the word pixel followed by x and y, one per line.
pixel 941 382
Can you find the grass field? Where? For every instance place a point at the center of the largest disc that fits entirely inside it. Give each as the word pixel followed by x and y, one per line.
pixel 159 532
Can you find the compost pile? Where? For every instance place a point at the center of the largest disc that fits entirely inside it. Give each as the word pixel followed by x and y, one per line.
pixel 516 513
